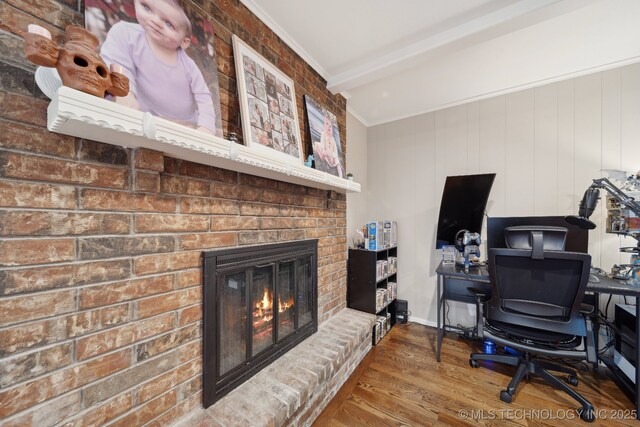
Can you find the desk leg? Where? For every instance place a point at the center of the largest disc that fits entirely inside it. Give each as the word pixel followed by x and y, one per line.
pixel 637 401
pixel 439 323
pixel 596 328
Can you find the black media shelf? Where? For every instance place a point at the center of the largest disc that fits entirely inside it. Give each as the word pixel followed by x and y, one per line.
pixel 362 282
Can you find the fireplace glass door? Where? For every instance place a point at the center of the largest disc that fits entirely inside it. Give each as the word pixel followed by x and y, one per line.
pixel 262 315
pixel 286 291
pixel 233 321
pixel 265 303
pixel 306 291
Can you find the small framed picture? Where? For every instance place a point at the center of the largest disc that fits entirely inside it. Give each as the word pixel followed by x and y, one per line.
pixel 267 105
pixel 325 138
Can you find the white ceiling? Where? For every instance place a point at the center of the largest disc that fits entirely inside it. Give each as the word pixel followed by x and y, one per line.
pixel 396 59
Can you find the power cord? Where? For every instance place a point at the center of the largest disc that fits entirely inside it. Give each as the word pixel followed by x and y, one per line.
pixel 606 308
pixel 407 323
pixel 468 332
pixel 446 311
pixel 610 337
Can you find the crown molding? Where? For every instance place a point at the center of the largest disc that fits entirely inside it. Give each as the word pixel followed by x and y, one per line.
pixel 489 25
pixel 506 91
pixel 357 116
pixel 280 32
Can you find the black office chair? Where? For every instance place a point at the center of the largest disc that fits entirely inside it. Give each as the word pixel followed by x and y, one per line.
pixel 536 308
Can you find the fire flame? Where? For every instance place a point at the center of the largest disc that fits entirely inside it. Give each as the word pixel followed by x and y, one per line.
pixel 264 310
pixel 265 305
pixel 282 306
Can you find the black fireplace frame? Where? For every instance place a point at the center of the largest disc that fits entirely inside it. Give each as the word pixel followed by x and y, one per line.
pixel 216 265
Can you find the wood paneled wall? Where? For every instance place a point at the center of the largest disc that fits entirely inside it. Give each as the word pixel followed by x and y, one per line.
pixel 545 144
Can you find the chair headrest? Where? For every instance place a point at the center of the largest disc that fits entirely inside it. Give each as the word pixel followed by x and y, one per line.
pixel 536 238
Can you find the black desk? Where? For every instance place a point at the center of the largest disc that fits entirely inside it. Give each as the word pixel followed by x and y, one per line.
pixel 616 287
pixel 453 283
pixel 452 286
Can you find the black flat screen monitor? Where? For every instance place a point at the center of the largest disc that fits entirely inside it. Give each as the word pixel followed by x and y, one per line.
pixel 464 200
pixel 577 238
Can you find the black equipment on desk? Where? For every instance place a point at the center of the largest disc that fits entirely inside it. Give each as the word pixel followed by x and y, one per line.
pixel 464 200
pixel 624 355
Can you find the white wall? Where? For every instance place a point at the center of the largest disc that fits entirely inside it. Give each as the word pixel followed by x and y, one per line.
pixel 545 145
pixel 357 213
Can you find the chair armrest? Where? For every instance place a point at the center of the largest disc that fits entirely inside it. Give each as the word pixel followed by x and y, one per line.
pixel 587 309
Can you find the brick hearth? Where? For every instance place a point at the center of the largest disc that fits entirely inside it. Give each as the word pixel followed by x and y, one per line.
pixel 294 389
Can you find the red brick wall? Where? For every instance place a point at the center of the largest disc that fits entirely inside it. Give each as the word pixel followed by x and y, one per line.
pixel 100 283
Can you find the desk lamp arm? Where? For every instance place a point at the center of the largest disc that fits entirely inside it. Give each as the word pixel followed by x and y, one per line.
pixel 629 202
pixel 590 201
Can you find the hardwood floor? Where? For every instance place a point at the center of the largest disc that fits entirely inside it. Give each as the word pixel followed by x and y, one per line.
pixel 400 383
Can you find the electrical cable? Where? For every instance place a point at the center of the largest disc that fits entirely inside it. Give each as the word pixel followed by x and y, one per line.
pixel 606 308
pixel 610 337
pixel 468 331
pixel 446 311
pixel 407 323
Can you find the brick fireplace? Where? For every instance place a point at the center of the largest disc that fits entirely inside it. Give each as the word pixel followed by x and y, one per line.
pixel 100 246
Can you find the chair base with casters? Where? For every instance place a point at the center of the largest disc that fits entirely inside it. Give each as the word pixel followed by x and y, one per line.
pixel 528 343
pixel 527 366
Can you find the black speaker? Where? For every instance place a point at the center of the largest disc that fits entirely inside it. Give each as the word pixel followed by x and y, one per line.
pixel 402 311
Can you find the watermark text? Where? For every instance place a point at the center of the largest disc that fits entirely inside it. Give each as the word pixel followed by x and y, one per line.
pixel 544 414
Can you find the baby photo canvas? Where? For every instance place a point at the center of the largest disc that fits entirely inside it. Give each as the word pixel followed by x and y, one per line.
pixel 167 50
pixel 325 138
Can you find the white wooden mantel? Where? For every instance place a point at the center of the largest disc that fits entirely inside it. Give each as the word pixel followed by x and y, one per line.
pixel 75 113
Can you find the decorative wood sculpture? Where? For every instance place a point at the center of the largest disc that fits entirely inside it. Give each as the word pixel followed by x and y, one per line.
pixel 78 62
